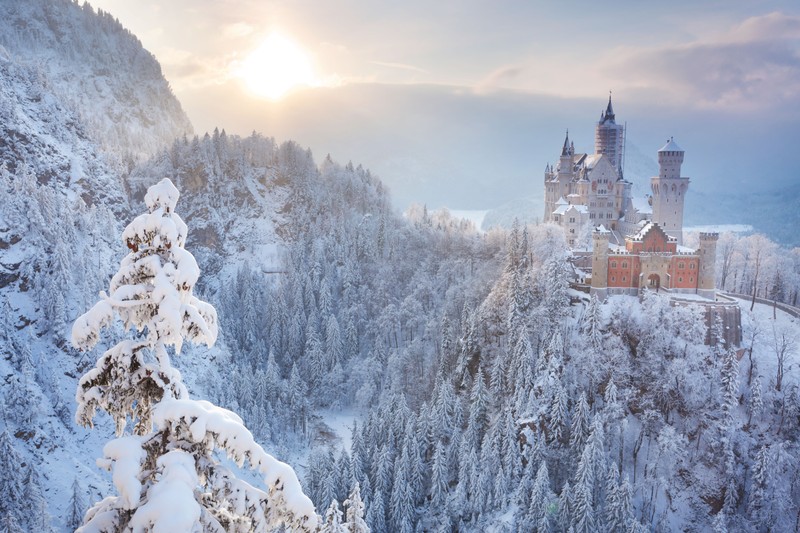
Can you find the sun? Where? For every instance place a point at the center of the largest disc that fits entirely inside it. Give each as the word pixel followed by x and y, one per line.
pixel 276 67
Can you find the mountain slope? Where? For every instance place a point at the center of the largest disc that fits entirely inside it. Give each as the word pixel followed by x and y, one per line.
pixel 100 71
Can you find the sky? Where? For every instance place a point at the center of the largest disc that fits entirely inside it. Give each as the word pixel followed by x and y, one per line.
pixel 464 102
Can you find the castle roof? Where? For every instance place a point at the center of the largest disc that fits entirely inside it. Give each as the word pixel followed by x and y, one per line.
pixel 608 115
pixel 564 209
pixel 565 150
pixel 592 160
pixel 601 229
pixel 647 228
pixel 671 146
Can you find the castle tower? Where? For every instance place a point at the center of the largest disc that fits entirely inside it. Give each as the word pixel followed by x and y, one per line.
pixel 565 161
pixel 669 190
pixel 559 179
pixel 706 279
pixel 609 138
pixel 599 288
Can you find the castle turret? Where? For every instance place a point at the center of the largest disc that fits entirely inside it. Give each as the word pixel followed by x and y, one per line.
pixel 706 280
pixel 669 190
pixel 567 151
pixel 600 237
pixel 558 179
pixel 609 138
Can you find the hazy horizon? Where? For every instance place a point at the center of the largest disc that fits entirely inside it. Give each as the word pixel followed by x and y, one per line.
pixel 463 106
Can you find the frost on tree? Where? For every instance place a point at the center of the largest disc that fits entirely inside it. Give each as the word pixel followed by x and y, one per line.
pixel 164 468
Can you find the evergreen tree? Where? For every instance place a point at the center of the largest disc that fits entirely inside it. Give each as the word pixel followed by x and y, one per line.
pixel 76 508
pixel 401 507
pixel 619 512
pixel 730 388
pixel 376 514
pixel 565 507
pixel 581 424
pixel 333 520
pixel 439 478
pixel 36 516
pixel 12 483
pixel 592 326
pixel 171 449
pixel 756 403
pixel 558 415
pixel 541 498
pixel 583 520
pixel 355 512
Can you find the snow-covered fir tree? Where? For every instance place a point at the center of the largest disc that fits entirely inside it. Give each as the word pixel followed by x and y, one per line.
pixel 170 451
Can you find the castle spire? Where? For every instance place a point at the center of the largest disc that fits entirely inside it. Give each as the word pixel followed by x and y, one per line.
pixel 609 110
pixel 565 149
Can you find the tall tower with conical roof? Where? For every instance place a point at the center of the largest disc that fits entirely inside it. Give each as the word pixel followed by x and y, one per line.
pixel 556 181
pixel 609 137
pixel 669 190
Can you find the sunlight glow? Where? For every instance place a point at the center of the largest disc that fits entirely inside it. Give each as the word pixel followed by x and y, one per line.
pixel 276 67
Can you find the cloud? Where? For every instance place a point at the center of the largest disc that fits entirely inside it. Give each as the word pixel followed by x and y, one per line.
pixel 498 79
pixel 237 30
pixel 754 66
pixel 772 26
pixel 401 66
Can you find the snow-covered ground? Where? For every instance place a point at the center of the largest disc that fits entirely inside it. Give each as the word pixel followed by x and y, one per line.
pixel 768 328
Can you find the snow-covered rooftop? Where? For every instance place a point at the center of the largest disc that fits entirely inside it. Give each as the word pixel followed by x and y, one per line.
pixel 563 209
pixel 639 235
pixel 671 146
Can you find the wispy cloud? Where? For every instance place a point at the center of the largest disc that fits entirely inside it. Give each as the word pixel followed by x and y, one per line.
pixel 238 30
pixel 400 66
pixel 498 79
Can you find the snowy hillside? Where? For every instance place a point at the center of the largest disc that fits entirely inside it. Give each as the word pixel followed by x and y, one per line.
pixel 98 70
pixel 42 137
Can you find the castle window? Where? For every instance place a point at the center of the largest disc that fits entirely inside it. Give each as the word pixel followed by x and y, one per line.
pixel 572 230
pixel 624 265
pixel 613 264
pixel 623 278
pixel 691 266
pixel 681 265
pixel 572 219
pixel 680 280
pixel 613 278
pixel 591 215
pixel 691 280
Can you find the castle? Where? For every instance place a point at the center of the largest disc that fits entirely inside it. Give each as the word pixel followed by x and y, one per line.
pixel 634 245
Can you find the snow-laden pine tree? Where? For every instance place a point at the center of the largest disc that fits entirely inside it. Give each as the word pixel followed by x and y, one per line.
pixel 166 469
pixel 355 512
